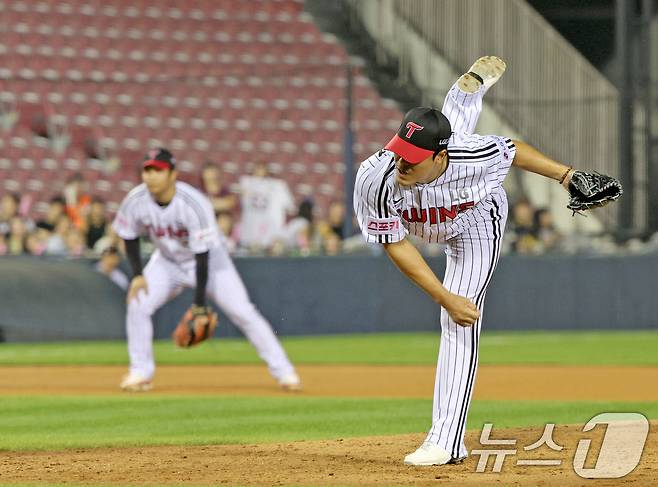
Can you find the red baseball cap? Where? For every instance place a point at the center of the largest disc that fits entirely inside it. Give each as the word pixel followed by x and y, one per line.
pixel 423 132
pixel 159 158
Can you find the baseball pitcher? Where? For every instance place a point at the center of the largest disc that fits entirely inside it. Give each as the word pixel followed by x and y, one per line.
pixel 438 180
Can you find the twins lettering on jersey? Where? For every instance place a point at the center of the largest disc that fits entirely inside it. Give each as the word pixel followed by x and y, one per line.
pixel 178 233
pixel 463 197
pixel 436 215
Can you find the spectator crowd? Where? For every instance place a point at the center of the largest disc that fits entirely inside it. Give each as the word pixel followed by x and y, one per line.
pixel 74 224
pixel 258 216
pixel 532 231
pixel 261 217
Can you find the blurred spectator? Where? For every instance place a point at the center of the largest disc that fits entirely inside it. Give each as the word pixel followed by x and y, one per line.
pixel 74 240
pixel 299 232
pixel 548 238
pixel 37 241
pixel 56 210
pixel 277 249
pixel 226 224
pixel 8 114
pixel 95 223
pixel 222 200
pixel 77 200
pixel 15 241
pixel 108 264
pixel 522 226
pixel 324 237
pixel 336 215
pixel 332 244
pixel 8 210
pixel 265 202
pixel 56 244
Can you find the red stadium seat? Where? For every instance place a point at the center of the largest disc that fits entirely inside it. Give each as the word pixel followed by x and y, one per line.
pixel 233 81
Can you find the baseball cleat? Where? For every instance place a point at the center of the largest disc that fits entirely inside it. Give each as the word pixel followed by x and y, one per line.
pixel 136 383
pixel 456 461
pixel 428 454
pixel 291 382
pixel 485 71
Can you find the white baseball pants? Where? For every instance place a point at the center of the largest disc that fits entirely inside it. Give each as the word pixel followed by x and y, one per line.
pixel 165 279
pixel 471 260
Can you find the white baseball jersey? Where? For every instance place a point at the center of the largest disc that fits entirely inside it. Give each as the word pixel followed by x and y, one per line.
pixel 439 210
pixel 179 230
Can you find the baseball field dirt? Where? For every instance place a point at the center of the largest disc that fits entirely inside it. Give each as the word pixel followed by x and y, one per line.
pixel 348 461
pixel 355 461
pixel 496 382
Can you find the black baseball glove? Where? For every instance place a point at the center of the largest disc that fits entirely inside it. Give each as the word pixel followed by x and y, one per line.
pixel 589 191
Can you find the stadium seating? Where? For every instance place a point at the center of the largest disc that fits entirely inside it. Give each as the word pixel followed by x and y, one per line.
pixel 234 82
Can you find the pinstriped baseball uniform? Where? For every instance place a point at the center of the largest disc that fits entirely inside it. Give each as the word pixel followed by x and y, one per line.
pixel 466 208
pixel 179 230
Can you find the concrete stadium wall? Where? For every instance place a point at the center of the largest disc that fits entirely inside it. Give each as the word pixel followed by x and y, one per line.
pixel 57 300
pixel 66 300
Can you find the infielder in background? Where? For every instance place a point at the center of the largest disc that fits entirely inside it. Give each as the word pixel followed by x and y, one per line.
pixel 437 180
pixel 190 252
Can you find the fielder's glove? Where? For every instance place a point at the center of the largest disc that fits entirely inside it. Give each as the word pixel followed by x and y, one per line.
pixel 592 191
pixel 197 324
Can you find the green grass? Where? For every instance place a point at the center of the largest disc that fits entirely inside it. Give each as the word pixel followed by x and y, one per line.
pixel 46 423
pixel 568 348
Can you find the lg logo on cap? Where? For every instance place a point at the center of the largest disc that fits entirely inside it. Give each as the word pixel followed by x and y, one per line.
pixel 412 128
